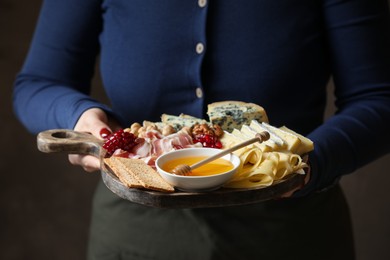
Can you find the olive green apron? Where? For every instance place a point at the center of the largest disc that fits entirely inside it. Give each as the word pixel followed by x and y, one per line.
pixel 314 227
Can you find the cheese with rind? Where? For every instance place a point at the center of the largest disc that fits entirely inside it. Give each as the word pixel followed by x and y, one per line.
pixel 306 144
pixel 275 141
pixel 292 141
pixel 179 122
pixel 266 146
pixel 233 114
pixel 228 140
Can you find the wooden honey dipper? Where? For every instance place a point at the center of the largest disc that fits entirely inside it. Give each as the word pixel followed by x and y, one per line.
pixel 184 169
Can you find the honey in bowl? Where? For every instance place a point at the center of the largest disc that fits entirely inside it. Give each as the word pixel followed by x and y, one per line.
pixel 217 166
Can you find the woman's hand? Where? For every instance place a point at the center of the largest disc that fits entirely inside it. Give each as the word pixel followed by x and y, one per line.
pixel 92 121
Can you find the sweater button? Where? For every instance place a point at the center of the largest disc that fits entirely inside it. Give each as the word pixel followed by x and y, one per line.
pixel 199 92
pixel 202 3
pixel 199 48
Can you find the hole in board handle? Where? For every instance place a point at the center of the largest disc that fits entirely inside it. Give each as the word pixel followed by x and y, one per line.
pixel 62 135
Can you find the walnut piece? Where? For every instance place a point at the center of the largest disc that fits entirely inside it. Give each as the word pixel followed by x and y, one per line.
pixel 218 131
pixel 199 129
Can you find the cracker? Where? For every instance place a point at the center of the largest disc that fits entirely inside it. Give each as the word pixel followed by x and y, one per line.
pixel 144 174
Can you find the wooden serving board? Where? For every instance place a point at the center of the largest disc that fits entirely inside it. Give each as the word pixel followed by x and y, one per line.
pixel 222 197
pixel 69 141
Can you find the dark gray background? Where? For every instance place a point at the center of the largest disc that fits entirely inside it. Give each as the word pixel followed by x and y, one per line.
pixel 45 202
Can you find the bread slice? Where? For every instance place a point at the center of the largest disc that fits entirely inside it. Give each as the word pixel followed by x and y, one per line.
pixel 123 175
pixel 144 174
pixel 231 115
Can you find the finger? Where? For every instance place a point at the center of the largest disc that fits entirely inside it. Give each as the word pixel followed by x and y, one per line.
pixel 290 193
pixel 88 162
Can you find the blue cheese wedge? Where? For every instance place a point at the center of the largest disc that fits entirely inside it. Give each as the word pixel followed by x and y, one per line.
pixel 233 114
pixel 182 115
pixel 178 122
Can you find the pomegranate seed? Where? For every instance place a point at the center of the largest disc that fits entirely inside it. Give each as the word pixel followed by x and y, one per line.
pixel 207 140
pixel 218 145
pixel 119 140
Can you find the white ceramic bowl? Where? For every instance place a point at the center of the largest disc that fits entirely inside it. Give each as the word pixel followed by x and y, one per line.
pixel 196 183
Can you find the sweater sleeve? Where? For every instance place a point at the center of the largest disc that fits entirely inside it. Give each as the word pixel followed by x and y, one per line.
pixel 51 90
pixel 359 39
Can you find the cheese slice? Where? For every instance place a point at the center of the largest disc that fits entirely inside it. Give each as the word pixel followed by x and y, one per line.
pixel 292 141
pixel 275 141
pixel 306 144
pixel 241 138
pixel 229 140
pixel 231 115
pixel 249 132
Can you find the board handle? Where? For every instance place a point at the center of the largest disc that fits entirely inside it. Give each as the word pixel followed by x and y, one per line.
pixel 69 141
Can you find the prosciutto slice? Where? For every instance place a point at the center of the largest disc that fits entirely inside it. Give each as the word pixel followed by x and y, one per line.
pixel 143 148
pixel 172 142
pixel 152 144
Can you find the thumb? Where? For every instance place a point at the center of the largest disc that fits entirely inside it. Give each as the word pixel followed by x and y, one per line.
pixel 94 120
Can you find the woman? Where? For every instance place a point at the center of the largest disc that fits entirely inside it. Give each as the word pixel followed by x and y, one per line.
pixel 178 56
